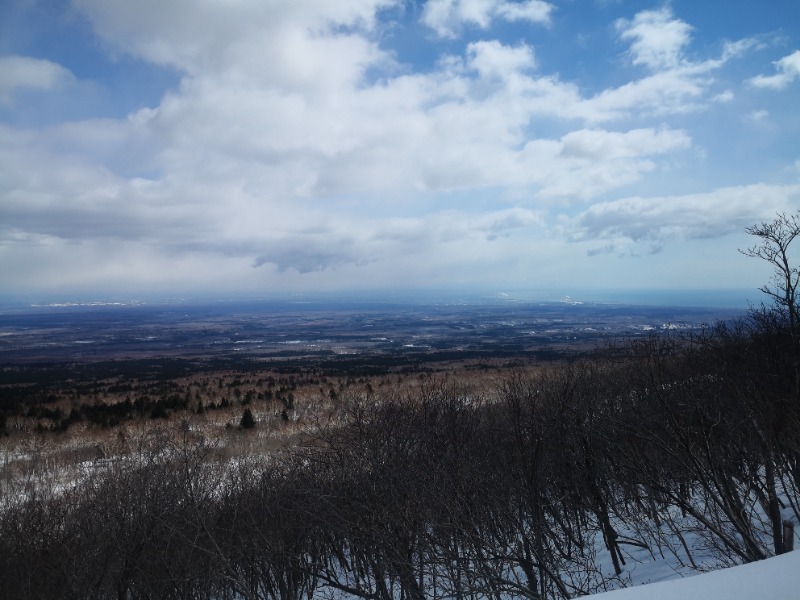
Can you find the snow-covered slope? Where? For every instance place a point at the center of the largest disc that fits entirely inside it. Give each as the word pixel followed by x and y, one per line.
pixel 776 578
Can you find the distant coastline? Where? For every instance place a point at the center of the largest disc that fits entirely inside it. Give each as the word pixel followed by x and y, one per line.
pixel 701 298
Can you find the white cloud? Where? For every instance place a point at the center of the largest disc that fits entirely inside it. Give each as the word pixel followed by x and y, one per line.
pixel 659 220
pixel 447 17
pixel 788 70
pixel 24 72
pixel 739 47
pixel 493 59
pixel 283 118
pixel 296 143
pixel 599 145
pixel 591 162
pixel 724 97
pixel 247 42
pixel 294 103
pixel 662 93
pixel 534 11
pixel 676 84
pixel 657 38
pixel 455 128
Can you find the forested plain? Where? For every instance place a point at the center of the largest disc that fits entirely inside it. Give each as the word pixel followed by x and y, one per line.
pixel 534 481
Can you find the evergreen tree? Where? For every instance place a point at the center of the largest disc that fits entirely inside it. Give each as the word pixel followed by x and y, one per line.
pixel 248 421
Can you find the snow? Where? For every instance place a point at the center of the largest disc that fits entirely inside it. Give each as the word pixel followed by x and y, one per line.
pixel 776 578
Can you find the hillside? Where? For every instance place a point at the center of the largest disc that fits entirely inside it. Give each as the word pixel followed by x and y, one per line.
pixel 776 578
pixel 553 481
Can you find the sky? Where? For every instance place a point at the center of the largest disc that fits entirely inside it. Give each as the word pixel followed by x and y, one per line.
pixel 293 146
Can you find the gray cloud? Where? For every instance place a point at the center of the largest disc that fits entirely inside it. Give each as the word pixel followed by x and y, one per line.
pixel 659 220
pixel 311 255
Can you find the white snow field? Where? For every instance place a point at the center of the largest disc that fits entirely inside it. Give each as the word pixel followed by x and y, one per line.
pixel 776 578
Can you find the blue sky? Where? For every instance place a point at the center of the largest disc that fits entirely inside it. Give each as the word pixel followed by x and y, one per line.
pixel 305 145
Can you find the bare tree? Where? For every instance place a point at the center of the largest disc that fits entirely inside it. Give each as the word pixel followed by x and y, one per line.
pixel 775 239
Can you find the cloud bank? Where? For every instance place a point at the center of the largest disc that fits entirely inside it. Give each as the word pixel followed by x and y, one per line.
pixel 302 149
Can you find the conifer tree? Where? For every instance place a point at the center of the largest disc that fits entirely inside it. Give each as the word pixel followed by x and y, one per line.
pixel 248 421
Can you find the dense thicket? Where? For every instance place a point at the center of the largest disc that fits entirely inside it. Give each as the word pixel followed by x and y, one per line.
pixel 685 447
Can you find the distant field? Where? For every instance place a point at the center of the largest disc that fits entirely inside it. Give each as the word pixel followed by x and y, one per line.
pixel 84 369
pixel 310 332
